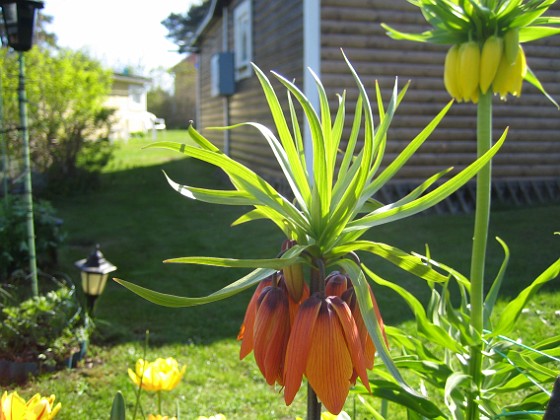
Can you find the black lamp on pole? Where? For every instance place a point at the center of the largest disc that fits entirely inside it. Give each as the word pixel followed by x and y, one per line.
pixel 94 270
pixel 19 22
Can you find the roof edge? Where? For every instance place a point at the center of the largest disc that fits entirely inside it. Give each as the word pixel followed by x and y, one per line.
pixel 215 10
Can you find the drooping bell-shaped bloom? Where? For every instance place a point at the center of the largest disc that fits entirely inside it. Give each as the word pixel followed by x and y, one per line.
pixel 246 331
pixel 14 407
pixel 324 346
pixel 160 375
pixel 271 333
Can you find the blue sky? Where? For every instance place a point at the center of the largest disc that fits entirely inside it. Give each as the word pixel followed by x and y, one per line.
pixel 118 32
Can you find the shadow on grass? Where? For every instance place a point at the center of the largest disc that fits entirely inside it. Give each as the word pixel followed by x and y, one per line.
pixel 140 221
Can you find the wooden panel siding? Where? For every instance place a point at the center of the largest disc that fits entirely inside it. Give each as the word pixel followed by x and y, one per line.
pixel 278 46
pixel 533 145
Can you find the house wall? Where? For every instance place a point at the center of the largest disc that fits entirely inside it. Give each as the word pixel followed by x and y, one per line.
pixel 532 148
pixel 278 46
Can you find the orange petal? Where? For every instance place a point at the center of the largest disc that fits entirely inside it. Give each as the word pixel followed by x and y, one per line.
pixel 352 338
pixel 329 363
pixel 272 330
pixel 246 330
pixel 299 344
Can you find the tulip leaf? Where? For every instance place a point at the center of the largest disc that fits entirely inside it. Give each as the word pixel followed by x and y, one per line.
pixel 118 410
pixel 173 301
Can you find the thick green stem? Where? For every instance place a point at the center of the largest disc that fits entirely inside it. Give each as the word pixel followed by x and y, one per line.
pixel 480 239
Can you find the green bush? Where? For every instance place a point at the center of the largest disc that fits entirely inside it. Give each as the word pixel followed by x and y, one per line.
pixel 14 251
pixel 47 329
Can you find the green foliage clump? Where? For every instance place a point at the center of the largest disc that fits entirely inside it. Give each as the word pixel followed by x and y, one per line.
pixel 46 329
pixel 66 91
pixel 14 253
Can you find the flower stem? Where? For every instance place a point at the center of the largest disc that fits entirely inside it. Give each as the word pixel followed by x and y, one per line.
pixel 480 239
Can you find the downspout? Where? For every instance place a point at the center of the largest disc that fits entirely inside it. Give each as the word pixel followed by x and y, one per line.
pixel 198 90
pixel 226 100
pixel 311 60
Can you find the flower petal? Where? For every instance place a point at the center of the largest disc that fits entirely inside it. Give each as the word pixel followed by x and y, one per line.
pixel 329 363
pixel 299 344
pixel 271 333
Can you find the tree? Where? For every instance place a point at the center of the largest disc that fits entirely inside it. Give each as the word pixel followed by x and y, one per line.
pixel 182 28
pixel 66 91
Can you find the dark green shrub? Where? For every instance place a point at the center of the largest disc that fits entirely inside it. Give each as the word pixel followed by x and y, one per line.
pixel 47 329
pixel 14 250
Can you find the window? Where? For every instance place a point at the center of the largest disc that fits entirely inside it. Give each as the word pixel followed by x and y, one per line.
pixel 243 39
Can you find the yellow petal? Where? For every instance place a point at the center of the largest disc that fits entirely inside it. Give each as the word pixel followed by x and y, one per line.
pixel 451 72
pixel 491 55
pixel 469 69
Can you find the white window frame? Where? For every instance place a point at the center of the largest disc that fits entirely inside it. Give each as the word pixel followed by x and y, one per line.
pixel 243 39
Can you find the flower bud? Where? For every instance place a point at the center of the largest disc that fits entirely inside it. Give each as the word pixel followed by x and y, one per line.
pixel 511 44
pixel 469 69
pixel 451 73
pixel 490 60
pixel 293 275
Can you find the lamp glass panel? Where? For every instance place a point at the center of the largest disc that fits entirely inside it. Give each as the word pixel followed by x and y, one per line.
pixel 93 283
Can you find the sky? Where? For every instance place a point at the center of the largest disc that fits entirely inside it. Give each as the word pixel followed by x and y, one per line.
pixel 119 33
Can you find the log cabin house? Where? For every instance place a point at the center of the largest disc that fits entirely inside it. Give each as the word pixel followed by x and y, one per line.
pixel 290 36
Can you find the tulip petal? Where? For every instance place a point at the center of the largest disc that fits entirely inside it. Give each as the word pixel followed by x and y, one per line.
pixel 299 344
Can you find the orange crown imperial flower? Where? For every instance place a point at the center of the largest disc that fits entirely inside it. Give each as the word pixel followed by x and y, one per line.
pixel 325 346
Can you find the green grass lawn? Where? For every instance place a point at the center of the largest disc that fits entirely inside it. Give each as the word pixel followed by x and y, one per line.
pixel 140 221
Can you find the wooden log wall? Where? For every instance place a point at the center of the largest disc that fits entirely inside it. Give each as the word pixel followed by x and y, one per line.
pixel 532 148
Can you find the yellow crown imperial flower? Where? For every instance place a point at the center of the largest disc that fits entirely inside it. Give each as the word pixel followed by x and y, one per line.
pixel 491 55
pixel 451 73
pixel 511 45
pixel 469 70
pixel 509 78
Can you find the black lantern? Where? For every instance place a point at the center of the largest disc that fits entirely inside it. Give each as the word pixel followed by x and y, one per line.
pixel 19 22
pixel 95 270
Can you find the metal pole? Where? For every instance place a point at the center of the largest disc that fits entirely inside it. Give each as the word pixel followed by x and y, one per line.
pixel 27 177
pixel 4 149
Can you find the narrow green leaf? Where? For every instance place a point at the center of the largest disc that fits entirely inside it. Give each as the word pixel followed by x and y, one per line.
pixel 368 314
pixel 492 296
pixel 410 263
pixel 531 78
pixel 389 213
pixel 274 263
pixel 224 197
pixel 391 391
pixel 118 410
pixel 511 312
pixel 172 301
pixel 532 33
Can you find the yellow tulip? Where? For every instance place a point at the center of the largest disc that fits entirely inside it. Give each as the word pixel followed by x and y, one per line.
pixel 214 417
pixel 160 417
pixel 469 69
pixel 490 60
pixel 451 73
pixel 160 375
pixel 13 407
